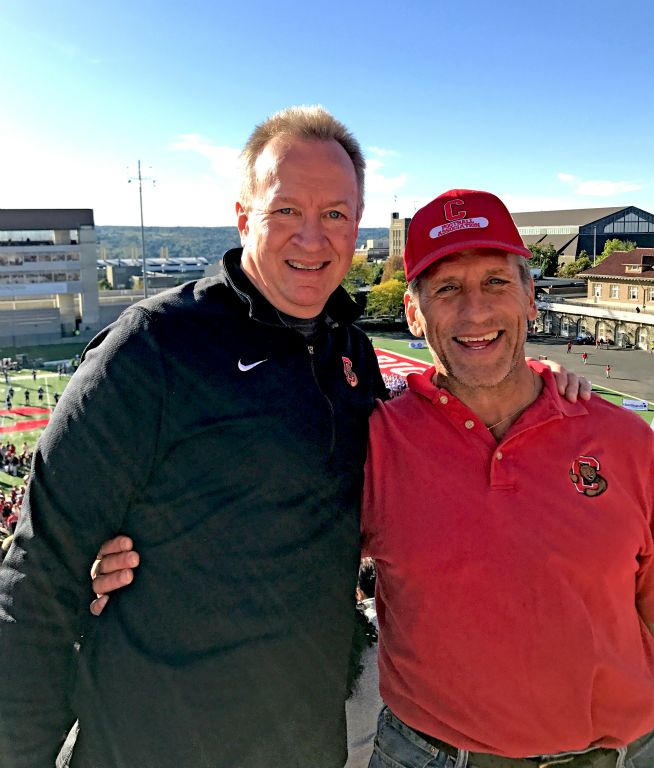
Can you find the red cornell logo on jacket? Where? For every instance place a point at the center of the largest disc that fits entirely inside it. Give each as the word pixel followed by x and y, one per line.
pixel 350 375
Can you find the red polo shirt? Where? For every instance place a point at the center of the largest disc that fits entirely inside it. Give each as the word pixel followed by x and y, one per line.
pixel 513 577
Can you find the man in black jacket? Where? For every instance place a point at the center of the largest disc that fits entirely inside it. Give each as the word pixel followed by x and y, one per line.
pixel 257 383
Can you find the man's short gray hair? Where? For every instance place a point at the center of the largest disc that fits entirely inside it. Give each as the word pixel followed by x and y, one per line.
pixel 313 122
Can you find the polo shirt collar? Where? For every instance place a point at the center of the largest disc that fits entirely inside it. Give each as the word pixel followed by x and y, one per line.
pixel 548 405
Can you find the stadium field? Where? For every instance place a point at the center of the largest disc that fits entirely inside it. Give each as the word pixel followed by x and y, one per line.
pixel 25 421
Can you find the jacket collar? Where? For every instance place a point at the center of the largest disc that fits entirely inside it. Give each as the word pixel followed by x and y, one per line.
pixel 339 310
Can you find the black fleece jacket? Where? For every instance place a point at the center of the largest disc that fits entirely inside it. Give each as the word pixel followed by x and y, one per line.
pixel 240 485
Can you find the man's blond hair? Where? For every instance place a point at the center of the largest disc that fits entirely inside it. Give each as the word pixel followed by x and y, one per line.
pixel 313 123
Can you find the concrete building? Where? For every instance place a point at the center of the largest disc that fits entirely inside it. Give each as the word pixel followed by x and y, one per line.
pixel 373 250
pixel 397 234
pixel 48 274
pixel 162 273
pixel 585 229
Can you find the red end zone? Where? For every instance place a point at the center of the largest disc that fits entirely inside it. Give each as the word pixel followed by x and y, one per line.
pixel 23 425
pixel 391 362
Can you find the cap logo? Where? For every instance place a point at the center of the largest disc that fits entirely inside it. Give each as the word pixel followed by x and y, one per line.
pixel 478 222
pixel 449 213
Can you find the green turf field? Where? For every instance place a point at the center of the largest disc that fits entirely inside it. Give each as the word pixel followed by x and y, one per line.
pixel 401 346
pixel 64 351
pixel 10 422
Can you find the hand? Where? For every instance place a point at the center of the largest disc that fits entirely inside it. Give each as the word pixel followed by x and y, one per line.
pixel 112 570
pixel 570 386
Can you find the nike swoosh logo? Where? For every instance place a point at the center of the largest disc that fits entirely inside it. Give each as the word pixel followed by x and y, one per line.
pixel 243 367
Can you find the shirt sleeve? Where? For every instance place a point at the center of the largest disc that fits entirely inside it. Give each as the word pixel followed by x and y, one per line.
pixel 88 467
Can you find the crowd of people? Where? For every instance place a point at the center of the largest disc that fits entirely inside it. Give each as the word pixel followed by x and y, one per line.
pixel 394 384
pixel 13 462
pixel 10 503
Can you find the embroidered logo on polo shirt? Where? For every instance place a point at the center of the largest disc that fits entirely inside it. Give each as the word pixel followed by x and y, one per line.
pixel 586 478
pixel 350 376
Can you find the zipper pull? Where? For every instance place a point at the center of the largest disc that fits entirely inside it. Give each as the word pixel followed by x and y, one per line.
pixel 310 348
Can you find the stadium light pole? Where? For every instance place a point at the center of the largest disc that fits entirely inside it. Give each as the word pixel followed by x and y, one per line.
pixel 140 180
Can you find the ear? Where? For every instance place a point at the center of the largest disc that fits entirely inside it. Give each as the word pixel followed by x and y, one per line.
pixel 532 313
pixel 242 222
pixel 412 314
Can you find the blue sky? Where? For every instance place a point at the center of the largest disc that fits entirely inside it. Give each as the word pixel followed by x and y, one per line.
pixel 547 104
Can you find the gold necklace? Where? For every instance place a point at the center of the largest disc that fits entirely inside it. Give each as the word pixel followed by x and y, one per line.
pixel 522 407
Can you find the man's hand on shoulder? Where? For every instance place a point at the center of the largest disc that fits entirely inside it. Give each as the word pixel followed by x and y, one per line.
pixel 112 569
pixel 570 386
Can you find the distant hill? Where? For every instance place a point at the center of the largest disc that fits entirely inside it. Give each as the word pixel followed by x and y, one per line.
pixel 210 242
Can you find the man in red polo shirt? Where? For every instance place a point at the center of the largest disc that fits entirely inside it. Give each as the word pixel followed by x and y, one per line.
pixel 511 530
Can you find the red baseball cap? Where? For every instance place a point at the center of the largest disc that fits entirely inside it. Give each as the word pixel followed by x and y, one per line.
pixel 455 220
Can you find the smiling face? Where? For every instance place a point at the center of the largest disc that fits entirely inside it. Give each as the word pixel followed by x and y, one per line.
pixel 473 309
pixel 299 234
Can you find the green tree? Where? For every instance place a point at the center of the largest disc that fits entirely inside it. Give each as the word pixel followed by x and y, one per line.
pixel 545 257
pixel 399 275
pixel 391 265
pixel 361 273
pixel 377 272
pixel 387 298
pixel 615 245
pixel 580 264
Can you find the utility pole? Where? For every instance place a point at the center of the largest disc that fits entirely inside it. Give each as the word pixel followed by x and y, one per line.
pixel 140 180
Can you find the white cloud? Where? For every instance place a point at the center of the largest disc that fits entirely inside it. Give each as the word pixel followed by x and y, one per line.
pixel 598 187
pixel 381 152
pixel 224 160
pixel 382 190
pixel 37 175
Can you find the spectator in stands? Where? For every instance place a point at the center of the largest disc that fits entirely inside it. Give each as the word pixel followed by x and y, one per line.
pixel 5 543
pixel 395 384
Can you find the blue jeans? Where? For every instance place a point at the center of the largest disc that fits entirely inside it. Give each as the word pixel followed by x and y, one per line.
pixel 398 746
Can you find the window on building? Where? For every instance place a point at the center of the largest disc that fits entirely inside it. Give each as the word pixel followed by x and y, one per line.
pixel 615 292
pixel 597 290
pixel 633 292
pixel 632 222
